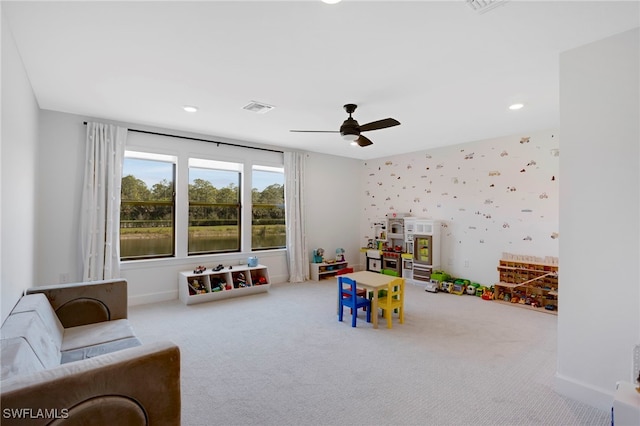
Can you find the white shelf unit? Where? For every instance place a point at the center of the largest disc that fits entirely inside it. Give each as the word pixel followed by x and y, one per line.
pixel 326 270
pixel 197 288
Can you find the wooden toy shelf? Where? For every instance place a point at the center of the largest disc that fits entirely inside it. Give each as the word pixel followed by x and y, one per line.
pixel 223 284
pixel 528 283
pixel 326 270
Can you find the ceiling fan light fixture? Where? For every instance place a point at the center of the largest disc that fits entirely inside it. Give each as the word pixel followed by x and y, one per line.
pixel 190 108
pixel 515 107
pixel 350 137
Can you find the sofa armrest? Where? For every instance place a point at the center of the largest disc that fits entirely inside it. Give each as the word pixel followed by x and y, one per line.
pixel 134 386
pixel 88 302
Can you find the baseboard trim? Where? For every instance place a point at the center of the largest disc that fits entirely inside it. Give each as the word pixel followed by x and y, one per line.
pixel 153 298
pixel 582 392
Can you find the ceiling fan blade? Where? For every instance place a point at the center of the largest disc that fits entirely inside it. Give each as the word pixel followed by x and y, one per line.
pixel 363 141
pixel 315 131
pixel 380 124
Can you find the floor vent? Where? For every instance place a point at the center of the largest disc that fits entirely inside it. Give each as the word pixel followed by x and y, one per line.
pixel 258 107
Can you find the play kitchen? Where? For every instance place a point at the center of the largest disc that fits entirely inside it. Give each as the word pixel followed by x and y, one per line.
pixel 404 246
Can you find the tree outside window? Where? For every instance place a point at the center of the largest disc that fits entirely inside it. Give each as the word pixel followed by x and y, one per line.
pixel 268 228
pixel 214 207
pixel 147 211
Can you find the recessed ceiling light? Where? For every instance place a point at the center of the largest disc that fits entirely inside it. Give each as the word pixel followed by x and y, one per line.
pixel 190 108
pixel 331 1
pixel 516 106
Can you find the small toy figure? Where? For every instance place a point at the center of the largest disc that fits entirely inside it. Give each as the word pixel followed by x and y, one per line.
pixel 487 294
pixel 240 281
pixel 199 269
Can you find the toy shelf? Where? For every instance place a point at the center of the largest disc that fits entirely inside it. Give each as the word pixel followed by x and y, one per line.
pixel 223 284
pixel 326 270
pixel 528 283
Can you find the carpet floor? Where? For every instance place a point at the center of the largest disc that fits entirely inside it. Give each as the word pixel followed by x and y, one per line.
pixel 282 358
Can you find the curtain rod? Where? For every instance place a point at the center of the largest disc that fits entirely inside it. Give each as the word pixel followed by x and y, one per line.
pixel 200 140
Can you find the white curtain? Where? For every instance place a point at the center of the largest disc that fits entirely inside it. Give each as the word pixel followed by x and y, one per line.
pixel 294 213
pixel 100 215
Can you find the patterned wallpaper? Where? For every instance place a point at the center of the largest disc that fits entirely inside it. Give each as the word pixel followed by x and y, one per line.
pixel 493 196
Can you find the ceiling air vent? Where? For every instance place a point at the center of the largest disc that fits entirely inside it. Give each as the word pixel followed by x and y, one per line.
pixel 482 6
pixel 258 107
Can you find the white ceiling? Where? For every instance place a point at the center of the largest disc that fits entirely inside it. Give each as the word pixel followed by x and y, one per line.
pixel 445 72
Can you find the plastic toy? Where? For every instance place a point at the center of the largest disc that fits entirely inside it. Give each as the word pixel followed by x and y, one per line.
pixel 339 255
pixel 432 286
pixel 196 287
pixel 457 288
pixel 318 255
pixel 487 294
pixel 199 269
pixel 446 286
pixel 440 276
pixel 240 281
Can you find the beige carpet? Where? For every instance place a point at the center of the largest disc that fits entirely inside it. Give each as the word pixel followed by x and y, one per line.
pixel 282 358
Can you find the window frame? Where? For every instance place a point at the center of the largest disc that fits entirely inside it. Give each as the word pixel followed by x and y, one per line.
pixel 181 151
pixel 270 169
pixel 164 158
pixel 216 165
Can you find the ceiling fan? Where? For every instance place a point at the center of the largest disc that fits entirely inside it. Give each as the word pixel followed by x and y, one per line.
pixel 350 129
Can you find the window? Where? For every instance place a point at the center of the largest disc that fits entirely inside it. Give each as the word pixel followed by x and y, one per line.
pixel 214 206
pixel 199 203
pixel 268 229
pixel 147 210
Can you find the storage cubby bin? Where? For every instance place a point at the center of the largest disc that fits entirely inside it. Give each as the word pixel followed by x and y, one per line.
pixel 228 282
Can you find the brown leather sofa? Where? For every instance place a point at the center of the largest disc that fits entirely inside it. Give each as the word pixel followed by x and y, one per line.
pixel 69 356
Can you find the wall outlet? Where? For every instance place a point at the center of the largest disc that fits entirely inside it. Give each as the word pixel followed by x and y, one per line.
pixel 64 277
pixel 466 263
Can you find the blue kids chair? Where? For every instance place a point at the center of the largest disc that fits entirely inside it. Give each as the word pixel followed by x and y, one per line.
pixel 348 296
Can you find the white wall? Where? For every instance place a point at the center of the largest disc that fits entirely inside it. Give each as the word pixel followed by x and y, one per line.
pixel 18 176
pixel 599 322
pixel 333 212
pixel 330 198
pixel 492 196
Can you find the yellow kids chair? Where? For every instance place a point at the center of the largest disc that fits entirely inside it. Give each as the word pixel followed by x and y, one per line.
pixel 393 300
